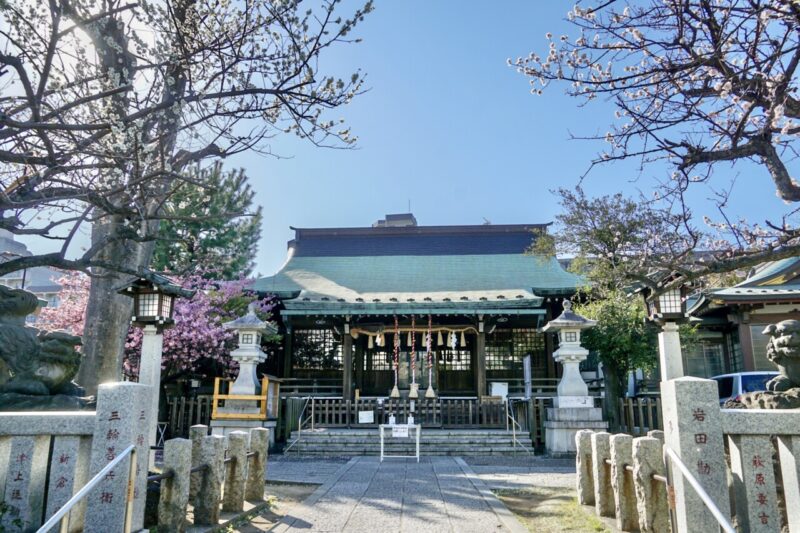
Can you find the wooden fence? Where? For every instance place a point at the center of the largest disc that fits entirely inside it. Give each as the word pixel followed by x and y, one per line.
pixel 187 411
pixel 638 416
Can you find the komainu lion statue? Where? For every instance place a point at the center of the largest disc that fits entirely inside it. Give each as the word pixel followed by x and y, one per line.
pixel 39 365
pixel 783 391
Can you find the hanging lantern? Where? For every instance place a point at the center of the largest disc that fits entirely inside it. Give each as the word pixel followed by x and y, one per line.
pixel 153 304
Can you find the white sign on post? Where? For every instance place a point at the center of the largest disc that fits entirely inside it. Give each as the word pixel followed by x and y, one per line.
pixel 366 417
pixel 400 431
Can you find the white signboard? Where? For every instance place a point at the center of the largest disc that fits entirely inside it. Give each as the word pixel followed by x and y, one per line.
pixel 366 417
pixel 400 431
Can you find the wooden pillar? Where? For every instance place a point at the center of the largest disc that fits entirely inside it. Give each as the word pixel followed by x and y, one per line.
pixel 287 352
pixel 359 356
pixel 480 362
pixel 549 346
pixel 746 343
pixel 347 365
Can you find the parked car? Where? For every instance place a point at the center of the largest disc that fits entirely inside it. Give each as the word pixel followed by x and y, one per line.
pixel 731 386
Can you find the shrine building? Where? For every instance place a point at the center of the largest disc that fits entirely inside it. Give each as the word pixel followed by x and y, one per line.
pixel 356 303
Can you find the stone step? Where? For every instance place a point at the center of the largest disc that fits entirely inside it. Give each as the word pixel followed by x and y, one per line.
pixel 425 432
pixel 349 452
pixel 375 438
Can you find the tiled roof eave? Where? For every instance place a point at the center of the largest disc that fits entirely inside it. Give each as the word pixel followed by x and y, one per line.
pixel 526 306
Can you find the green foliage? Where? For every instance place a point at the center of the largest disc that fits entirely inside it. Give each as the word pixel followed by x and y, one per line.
pixel 210 227
pixel 623 340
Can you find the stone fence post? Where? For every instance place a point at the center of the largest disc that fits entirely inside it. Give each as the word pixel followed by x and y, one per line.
pixel 601 472
pixel 235 473
pixel 622 483
pixel 174 496
pixel 257 465
pixel 693 430
pixel 651 495
pixel 209 493
pixel 583 466
pixel 196 435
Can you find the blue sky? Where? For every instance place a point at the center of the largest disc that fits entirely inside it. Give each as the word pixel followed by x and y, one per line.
pixel 447 125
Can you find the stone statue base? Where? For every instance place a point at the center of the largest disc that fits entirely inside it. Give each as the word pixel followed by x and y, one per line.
pixel 13 401
pixel 789 399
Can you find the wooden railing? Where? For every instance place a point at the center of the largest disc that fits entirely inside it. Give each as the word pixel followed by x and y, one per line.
pixel 311 387
pixel 438 412
pixel 637 416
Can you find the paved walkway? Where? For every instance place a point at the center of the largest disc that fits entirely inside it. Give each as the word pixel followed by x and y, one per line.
pixel 438 494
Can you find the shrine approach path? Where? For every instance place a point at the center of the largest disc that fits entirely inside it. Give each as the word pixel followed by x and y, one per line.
pixel 436 495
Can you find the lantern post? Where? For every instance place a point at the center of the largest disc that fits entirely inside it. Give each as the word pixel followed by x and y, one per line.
pixel 153 306
pixel 668 309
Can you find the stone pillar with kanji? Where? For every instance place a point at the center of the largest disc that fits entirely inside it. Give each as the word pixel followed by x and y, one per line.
pixel 123 419
pixel 693 430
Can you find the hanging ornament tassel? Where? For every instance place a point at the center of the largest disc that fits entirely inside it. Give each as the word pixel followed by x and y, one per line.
pixel 429 393
pixel 395 391
pixel 463 340
pixel 440 340
pixel 413 392
pixel 453 340
pixel 381 340
pixel 370 344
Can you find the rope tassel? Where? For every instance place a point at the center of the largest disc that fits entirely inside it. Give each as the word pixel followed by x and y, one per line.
pixel 463 340
pixel 370 343
pixel 440 340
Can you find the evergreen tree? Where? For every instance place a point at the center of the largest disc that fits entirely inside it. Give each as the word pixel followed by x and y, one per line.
pixel 209 226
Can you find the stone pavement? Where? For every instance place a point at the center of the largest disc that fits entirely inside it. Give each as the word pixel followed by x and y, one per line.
pixel 523 472
pixel 290 469
pixel 438 494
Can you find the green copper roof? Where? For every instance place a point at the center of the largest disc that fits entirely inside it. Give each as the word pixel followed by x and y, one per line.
pixel 427 283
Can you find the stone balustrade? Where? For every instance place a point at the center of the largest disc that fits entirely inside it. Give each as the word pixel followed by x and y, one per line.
pixel 212 473
pixel 726 466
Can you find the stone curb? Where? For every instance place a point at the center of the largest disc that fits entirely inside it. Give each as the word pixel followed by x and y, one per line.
pixel 506 517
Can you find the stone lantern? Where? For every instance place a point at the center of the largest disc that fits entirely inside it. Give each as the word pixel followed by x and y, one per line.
pixel 572 390
pixel 249 354
pixel 573 409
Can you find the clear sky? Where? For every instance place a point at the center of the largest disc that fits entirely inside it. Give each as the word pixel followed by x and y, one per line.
pixel 448 126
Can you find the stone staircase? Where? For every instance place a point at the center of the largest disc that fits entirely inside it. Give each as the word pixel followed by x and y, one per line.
pixel 462 442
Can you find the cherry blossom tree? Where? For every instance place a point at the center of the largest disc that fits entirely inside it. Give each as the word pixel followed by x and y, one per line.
pixel 70 313
pixel 702 87
pixel 198 344
pixel 105 102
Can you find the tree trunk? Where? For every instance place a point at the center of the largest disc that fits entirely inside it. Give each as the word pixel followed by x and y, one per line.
pixel 108 314
pixel 613 389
